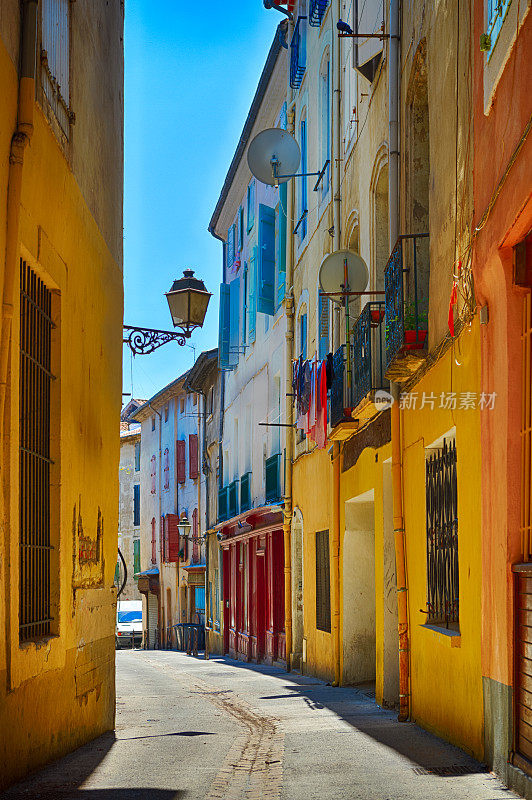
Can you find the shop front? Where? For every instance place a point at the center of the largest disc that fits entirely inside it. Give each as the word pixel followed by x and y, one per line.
pixel 253 586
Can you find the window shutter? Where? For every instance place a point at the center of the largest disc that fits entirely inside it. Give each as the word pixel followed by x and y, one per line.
pixel 180 458
pixel 136 505
pixel 230 246
pixel 245 310
pixel 266 260
pixel 323 582
pixel 166 469
pixel 303 334
pixel 303 205
pixel 195 540
pixel 223 337
pixel 172 538
pixel 281 243
pixel 137 456
pixel 252 303
pixel 323 326
pixel 251 206
pixel 136 556
pixel 193 455
pixel 234 316
pixel 153 542
pixel 153 474
pixel 241 228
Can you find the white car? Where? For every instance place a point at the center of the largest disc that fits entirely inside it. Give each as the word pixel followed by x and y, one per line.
pixel 129 623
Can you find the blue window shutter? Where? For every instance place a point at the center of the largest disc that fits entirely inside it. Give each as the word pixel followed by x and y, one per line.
pixel 252 302
pixel 303 334
pixel 136 505
pixel 245 310
pixel 323 326
pixel 281 243
pixel 241 228
pixel 266 261
pixel 234 316
pixel 230 246
pixel 223 338
pixel 251 206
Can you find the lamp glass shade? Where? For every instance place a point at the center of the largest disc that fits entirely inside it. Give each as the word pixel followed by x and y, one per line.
pixel 184 527
pixel 188 300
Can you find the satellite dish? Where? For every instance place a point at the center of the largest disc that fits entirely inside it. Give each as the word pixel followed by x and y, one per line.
pixel 273 152
pixel 332 272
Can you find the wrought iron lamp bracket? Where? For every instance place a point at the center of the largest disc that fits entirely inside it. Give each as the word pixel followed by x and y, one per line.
pixel 142 341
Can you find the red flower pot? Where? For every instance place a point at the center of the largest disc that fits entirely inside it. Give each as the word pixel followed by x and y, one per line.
pixel 377 315
pixel 415 340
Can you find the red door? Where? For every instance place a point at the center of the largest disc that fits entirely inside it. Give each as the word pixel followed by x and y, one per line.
pixel 260 606
pixel 226 596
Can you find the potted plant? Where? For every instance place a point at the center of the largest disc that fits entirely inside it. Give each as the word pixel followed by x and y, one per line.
pixel 415 339
pixel 377 315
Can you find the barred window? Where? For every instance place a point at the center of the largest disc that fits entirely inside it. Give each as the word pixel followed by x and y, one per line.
pixel 442 535
pixel 323 582
pixel 55 59
pixel 35 614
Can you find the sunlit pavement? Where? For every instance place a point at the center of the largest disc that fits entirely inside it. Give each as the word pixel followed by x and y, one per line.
pixel 224 730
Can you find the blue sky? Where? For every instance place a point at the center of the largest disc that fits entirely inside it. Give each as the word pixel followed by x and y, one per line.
pixel 190 79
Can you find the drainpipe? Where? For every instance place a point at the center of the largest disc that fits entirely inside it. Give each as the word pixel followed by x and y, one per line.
pixel 21 138
pixel 397 468
pixel 335 548
pixel 336 157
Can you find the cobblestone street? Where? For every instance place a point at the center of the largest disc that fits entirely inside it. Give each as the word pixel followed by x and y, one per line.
pixel 223 730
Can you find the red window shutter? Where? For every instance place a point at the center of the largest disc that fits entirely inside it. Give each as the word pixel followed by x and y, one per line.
pixel 164 548
pixel 181 467
pixel 166 469
pixel 152 474
pixel 161 539
pixel 193 455
pixel 195 540
pixel 153 542
pixel 172 538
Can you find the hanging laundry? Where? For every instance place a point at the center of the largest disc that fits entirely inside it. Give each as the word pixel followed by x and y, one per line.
pixel 330 371
pixel 311 416
pixel 321 405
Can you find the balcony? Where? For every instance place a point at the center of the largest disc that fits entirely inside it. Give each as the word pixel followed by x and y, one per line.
pixel 273 479
pixel 406 291
pixel 245 492
pixel 317 11
pixel 368 359
pixel 298 55
pixel 341 399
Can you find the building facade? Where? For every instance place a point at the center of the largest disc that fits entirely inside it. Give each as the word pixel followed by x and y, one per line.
pixel 251 219
pixel 61 178
pixel 129 505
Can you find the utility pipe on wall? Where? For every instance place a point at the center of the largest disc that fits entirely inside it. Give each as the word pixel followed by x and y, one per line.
pixel 20 140
pixel 336 156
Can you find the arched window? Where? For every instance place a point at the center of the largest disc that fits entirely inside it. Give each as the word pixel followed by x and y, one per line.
pixel 381 246
pixel 325 120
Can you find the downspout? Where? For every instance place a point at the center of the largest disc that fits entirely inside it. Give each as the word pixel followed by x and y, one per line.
pixel 289 440
pixel 335 499
pixel 336 158
pixel 21 138
pixel 397 468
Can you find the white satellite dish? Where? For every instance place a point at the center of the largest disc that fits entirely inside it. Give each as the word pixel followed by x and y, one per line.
pixel 274 152
pixel 332 274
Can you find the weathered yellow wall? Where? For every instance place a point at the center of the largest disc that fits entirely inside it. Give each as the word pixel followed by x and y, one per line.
pixel 446 683
pixel 59 693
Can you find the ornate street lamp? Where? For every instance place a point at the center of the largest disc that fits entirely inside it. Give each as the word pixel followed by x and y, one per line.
pixel 188 300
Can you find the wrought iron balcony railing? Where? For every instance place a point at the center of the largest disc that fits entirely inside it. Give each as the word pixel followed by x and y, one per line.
pixel 341 396
pixel 317 11
pixel 406 293
pixel 298 54
pixel 245 492
pixel 368 352
pixel 273 479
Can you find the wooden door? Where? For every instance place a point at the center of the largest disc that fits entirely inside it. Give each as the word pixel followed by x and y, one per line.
pixel 523 668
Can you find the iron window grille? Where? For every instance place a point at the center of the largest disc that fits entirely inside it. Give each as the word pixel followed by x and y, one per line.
pixel 298 55
pixel 245 492
pixel 323 582
pixel 35 383
pixel 317 11
pixel 442 535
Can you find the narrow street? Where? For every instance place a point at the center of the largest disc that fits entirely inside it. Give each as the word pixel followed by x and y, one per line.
pixel 224 730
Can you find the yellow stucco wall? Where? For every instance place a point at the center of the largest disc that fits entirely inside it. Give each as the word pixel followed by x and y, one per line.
pixel 446 683
pixel 59 693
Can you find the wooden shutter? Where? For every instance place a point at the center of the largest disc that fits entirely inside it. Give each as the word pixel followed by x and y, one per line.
pixel 137 456
pixel 323 326
pixel 153 472
pixel 245 304
pixel 136 505
pixel 166 469
pixel 281 243
pixel 234 317
pixel 180 459
pixel 153 542
pixel 241 228
pixel 323 582
pixel 193 455
pixel 252 296
pixel 251 206
pixel 230 246
pixel 172 538
pixel 303 335
pixel 136 556
pixel 223 335
pixel 266 260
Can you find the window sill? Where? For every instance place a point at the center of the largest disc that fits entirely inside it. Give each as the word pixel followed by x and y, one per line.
pixel 453 638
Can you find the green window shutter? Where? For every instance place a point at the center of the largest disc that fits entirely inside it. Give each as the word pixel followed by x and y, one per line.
pixel 323 326
pixel 234 316
pixel 223 338
pixel 252 299
pixel 136 556
pixel 245 306
pixel 281 243
pixel 266 260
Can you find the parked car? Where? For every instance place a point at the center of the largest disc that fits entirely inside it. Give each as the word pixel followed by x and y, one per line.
pixel 128 623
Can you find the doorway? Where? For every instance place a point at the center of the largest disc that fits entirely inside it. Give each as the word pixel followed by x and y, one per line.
pixel 297 588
